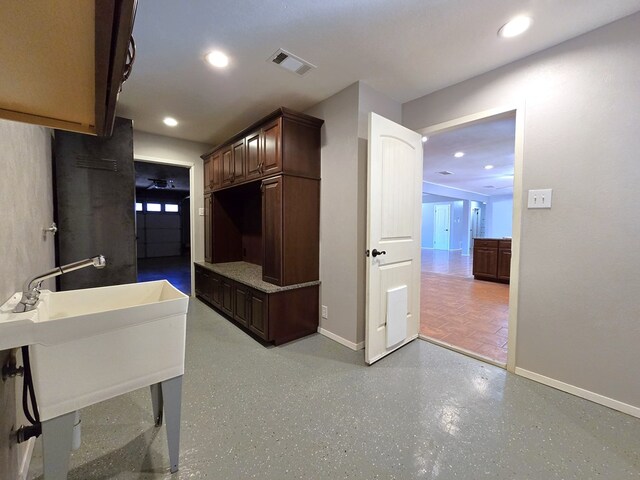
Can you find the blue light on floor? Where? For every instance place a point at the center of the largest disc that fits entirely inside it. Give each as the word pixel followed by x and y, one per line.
pixel 176 270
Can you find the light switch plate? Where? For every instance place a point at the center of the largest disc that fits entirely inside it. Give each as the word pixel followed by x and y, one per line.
pixel 325 311
pixel 201 211
pixel 540 198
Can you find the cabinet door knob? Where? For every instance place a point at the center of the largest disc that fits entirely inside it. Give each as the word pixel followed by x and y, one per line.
pixel 375 253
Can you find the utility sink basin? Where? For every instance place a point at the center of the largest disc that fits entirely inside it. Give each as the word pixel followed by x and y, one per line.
pixel 90 345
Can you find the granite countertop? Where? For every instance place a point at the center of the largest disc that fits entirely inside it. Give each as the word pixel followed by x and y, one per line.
pixel 251 275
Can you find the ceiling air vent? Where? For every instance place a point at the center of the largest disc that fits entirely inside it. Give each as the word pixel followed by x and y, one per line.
pixel 445 172
pixel 290 62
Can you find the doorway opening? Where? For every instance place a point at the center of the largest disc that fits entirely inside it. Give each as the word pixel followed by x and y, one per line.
pixel 467 225
pixel 163 224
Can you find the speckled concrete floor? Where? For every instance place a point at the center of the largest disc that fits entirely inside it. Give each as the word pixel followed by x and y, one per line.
pixel 311 409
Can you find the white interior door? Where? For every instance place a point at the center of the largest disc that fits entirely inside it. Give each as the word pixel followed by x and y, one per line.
pixel 441 223
pixel 394 207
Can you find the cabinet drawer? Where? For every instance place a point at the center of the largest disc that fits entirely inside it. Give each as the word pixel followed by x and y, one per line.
pixel 485 243
pixel 505 244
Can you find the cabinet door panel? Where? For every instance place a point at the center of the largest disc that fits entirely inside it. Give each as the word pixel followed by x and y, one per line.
pixel 200 282
pixel 227 296
pixel 216 170
pixel 216 291
pixel 207 170
pixel 271 160
pixel 208 229
pixel 272 230
pixel 227 166
pixel 238 161
pixel 252 158
pixel 258 319
pixel 242 307
pixel 485 262
pixel 504 264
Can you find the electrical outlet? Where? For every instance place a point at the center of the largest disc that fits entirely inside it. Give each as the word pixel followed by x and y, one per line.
pixel 325 311
pixel 201 211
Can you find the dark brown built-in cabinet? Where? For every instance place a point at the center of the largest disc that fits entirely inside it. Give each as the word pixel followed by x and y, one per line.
pixel 262 207
pixel 492 259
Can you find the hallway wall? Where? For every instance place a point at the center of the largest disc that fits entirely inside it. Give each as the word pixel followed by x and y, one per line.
pixel 500 216
pixel 578 322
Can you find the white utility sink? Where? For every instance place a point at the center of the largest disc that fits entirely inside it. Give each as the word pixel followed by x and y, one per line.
pixel 94 344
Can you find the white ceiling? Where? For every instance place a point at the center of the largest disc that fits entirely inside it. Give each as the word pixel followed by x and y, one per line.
pixel 402 48
pixel 487 142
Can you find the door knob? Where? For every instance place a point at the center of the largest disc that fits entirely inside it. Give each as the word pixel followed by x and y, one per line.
pixel 375 253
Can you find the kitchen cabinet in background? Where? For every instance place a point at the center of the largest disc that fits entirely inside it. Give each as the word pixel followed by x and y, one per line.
pixel 492 259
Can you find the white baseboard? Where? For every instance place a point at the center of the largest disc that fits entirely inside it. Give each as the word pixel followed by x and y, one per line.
pixel 580 392
pixel 25 461
pixel 340 340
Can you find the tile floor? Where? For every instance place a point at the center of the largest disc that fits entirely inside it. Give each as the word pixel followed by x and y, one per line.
pixel 312 409
pixel 460 311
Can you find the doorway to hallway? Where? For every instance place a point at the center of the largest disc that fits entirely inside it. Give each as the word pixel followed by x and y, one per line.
pixel 467 195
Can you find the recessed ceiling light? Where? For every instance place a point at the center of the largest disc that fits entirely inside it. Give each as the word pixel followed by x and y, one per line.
pixel 170 122
pixel 217 59
pixel 488 167
pixel 458 154
pixel 424 139
pixel 515 27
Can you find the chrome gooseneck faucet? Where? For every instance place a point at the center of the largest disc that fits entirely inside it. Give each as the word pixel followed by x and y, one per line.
pixel 31 289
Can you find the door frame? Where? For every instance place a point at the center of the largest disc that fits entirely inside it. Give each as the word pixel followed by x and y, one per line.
pixel 518 196
pixel 435 207
pixel 192 209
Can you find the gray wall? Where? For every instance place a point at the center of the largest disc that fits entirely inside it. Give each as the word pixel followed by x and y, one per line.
pixel 25 209
pixel 343 204
pixel 578 302
pixel 338 211
pixel 499 216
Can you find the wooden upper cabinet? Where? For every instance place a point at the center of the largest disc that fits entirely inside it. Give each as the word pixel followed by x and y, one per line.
pixel 207 171
pixel 252 155
pixel 271 159
pixel 227 166
pixel 284 142
pixel 237 152
pixel 62 63
pixel 216 170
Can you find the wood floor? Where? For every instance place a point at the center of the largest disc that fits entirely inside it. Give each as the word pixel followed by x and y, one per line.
pixel 460 311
